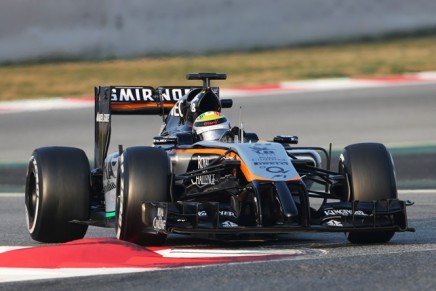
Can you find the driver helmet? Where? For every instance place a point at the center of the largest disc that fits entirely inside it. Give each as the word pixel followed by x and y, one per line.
pixel 211 126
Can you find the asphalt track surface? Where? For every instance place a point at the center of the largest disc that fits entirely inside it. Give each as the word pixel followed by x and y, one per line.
pixel 406 263
pixel 395 116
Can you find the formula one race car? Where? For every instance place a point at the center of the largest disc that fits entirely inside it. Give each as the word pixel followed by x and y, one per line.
pixel 203 178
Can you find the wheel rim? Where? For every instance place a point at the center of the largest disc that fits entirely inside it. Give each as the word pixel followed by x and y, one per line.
pixel 32 198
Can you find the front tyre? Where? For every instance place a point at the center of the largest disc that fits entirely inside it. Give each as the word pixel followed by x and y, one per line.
pixel 57 192
pixel 371 176
pixel 144 175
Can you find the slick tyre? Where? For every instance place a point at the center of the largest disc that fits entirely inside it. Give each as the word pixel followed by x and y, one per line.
pixel 144 175
pixel 371 176
pixel 57 192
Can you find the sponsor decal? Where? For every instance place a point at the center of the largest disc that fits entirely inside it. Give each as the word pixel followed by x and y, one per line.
pixel 273 162
pixel 206 123
pixel 159 221
pixel 227 213
pixel 266 153
pixel 263 150
pixel 101 117
pixel 132 94
pixel 111 167
pixel 344 212
pixel 202 213
pixel 334 223
pixel 109 186
pixel 177 109
pixel 147 94
pixel 110 171
pixel 174 94
pixel 228 224
pixel 204 179
pixel 264 164
pixel 164 140
pixel 221 213
pixel 267 160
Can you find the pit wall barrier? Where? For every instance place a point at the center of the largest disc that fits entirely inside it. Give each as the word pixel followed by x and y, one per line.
pixel 98 29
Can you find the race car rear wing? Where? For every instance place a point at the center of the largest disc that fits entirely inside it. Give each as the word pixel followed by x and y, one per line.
pixel 140 99
pixel 135 100
pixel 143 100
pixel 127 100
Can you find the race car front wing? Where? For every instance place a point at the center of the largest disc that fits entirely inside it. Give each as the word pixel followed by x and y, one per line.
pixel 203 218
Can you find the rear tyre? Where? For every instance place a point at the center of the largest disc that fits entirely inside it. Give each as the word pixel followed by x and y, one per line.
pixel 144 175
pixel 371 176
pixel 57 192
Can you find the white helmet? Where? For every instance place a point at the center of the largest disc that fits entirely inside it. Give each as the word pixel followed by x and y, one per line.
pixel 211 126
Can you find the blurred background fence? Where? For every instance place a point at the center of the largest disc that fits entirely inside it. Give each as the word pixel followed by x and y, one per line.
pixel 34 30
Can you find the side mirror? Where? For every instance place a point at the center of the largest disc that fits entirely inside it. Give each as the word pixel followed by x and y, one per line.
pixel 226 103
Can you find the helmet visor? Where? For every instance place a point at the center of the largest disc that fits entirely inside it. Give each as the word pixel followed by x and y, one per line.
pixel 213 135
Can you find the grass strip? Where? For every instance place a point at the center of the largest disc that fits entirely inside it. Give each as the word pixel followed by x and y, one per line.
pixel 77 78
